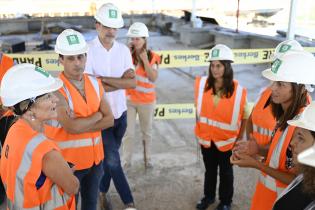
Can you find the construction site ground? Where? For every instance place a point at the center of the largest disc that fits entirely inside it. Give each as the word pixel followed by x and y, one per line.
pixel 176 180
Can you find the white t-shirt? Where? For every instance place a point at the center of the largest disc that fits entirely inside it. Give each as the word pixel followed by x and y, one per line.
pixel 112 63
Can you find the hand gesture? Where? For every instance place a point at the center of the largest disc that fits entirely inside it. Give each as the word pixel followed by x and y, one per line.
pixel 143 55
pixel 243 160
pixel 248 147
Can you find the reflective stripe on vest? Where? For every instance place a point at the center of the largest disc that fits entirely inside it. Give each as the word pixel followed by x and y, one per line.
pixel 56 201
pixel 69 98
pixel 217 143
pixel 143 79
pixel 94 82
pixel 262 131
pixel 268 181
pixel 233 126
pixel 144 90
pixel 79 143
pixel 204 142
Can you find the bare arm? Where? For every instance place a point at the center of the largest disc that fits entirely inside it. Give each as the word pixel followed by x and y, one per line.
pixel 151 72
pixel 124 82
pixel 57 169
pixel 249 126
pixel 242 129
pixel 75 125
pixel 284 177
pixel 108 118
pixel 247 161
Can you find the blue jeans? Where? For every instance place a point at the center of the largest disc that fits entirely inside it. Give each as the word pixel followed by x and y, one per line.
pixel 112 138
pixel 89 182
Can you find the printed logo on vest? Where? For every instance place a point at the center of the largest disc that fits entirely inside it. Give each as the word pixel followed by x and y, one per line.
pixel 112 13
pixel 42 71
pixel 215 53
pixel 73 39
pixel 284 48
pixel 275 66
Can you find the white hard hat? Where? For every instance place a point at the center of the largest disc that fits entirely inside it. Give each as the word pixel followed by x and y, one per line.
pixel 307 157
pixel 220 52
pixel 25 81
pixel 70 42
pixel 293 66
pixel 306 120
pixel 110 16
pixel 138 30
pixel 285 46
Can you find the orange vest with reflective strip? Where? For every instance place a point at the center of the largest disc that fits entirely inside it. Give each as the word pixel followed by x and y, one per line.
pixel 262 119
pixel 268 188
pixel 5 64
pixel 219 124
pixel 21 167
pixel 144 93
pixel 85 149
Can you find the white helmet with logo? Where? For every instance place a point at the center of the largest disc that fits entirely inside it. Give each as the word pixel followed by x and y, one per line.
pixel 220 52
pixel 138 30
pixel 293 66
pixel 26 81
pixel 307 121
pixel 285 46
pixel 110 16
pixel 70 42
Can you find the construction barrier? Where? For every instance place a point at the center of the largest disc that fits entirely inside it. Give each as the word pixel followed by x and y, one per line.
pixel 178 111
pixel 174 111
pixel 169 58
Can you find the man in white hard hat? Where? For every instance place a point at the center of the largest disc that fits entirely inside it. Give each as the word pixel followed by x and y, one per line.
pixel 82 113
pixel 111 61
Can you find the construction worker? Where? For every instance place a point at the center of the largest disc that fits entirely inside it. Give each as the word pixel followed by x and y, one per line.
pixel 82 113
pixel 111 61
pixel 6 117
pixel 261 122
pixel 33 171
pixel 300 194
pixel 142 99
pixel 221 107
pixel 289 73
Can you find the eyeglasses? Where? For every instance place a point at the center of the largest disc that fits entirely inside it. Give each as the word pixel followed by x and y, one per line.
pixel 18 108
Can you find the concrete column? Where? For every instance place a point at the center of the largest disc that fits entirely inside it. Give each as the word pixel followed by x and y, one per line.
pixel 292 17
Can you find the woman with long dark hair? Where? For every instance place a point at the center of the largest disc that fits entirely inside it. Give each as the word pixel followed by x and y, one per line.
pixel 289 73
pixel 221 115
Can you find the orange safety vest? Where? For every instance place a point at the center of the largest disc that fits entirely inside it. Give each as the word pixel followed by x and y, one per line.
pixel 268 188
pixel 5 64
pixel 220 123
pixel 144 93
pixel 84 149
pixel 21 167
pixel 262 119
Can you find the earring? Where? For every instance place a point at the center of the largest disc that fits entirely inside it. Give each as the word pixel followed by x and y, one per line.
pixel 33 118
